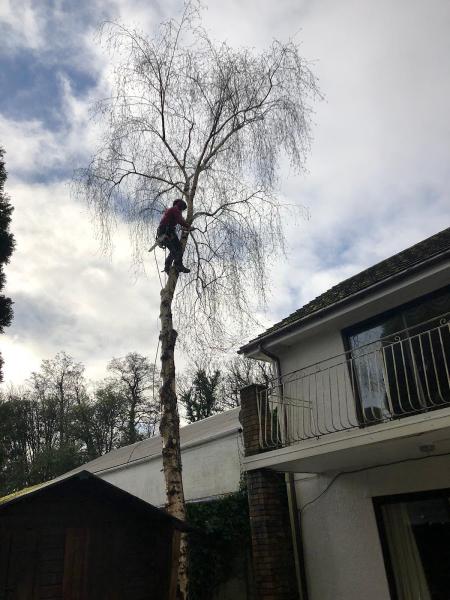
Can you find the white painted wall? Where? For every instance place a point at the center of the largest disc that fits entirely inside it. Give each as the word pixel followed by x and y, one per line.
pixel 342 548
pixel 209 469
pixel 319 397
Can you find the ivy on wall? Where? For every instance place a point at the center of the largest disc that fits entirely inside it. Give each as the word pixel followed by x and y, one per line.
pixel 223 532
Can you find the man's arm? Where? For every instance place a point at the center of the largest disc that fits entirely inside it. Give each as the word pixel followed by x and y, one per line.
pixel 181 221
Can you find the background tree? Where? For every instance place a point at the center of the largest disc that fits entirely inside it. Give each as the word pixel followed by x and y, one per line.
pixel 202 398
pixel 6 249
pixel 59 385
pixel 133 377
pixel 101 422
pixel 55 421
pixel 240 372
pixel 206 389
pixel 203 121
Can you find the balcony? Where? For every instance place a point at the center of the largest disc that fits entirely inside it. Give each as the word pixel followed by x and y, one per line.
pixel 364 396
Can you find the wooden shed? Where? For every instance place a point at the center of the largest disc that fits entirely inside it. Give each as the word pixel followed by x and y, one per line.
pixel 82 538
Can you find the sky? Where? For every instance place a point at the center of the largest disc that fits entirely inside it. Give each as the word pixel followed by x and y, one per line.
pixel 377 178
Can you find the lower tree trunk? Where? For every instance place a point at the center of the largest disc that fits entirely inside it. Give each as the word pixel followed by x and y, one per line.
pixel 170 425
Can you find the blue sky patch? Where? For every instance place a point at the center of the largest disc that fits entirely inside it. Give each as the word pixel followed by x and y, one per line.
pixel 35 89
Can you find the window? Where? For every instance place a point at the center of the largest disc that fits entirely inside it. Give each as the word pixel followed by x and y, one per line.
pixel 400 360
pixel 415 538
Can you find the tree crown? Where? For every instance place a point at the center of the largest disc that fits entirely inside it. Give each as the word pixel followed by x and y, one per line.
pixel 209 122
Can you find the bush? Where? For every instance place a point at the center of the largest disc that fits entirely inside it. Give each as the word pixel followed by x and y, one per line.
pixel 223 533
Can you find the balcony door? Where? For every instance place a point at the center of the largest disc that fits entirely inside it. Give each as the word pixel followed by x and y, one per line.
pixel 400 360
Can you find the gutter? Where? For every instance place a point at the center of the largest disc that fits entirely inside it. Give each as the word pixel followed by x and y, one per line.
pixel 257 344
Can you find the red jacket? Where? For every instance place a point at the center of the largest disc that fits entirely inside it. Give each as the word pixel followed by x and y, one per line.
pixel 172 217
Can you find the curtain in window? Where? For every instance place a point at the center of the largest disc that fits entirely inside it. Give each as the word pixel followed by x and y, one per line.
pixel 406 562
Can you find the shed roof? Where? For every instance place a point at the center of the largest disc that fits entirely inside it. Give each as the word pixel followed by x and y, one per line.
pixel 106 488
pixel 414 258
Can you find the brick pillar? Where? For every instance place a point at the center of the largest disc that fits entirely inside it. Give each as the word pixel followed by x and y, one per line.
pixel 273 558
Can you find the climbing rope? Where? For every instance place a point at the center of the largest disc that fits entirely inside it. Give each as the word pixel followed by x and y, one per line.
pixel 159 341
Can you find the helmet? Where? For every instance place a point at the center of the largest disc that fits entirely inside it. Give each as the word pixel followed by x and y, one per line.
pixel 180 203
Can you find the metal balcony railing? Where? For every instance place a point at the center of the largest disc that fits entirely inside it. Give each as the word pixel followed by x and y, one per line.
pixel 397 376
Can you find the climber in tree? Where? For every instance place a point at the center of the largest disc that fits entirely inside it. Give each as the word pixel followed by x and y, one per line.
pixel 166 235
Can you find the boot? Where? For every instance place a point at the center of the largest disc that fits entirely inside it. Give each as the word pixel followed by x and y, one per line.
pixel 182 269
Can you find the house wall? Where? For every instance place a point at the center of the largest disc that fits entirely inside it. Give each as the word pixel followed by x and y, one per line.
pixel 343 556
pixel 209 469
pixel 342 547
pixel 319 397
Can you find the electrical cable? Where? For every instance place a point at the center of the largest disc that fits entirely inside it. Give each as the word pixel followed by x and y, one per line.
pixel 396 462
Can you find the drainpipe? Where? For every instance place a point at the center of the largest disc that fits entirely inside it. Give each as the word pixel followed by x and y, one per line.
pixel 294 520
pixel 273 357
pixel 297 537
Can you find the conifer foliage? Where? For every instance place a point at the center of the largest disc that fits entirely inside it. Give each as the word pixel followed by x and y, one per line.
pixel 6 249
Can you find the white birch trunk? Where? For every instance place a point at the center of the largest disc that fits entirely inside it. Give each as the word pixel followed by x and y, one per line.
pixel 170 423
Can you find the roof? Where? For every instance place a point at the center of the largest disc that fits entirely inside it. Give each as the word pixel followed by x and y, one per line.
pixel 394 267
pixel 84 477
pixel 200 432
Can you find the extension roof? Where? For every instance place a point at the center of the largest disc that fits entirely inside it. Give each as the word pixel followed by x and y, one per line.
pixel 197 433
pixel 434 248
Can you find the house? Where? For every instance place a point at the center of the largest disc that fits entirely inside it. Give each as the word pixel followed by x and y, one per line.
pixel 79 537
pixel 348 449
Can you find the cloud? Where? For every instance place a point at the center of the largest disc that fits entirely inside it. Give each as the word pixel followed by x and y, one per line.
pixel 19 25
pixel 67 295
pixel 377 181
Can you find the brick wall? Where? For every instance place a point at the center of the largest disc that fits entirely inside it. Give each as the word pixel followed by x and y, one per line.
pixel 273 558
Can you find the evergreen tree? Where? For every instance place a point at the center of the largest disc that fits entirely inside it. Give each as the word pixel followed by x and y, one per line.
pixel 6 248
pixel 202 399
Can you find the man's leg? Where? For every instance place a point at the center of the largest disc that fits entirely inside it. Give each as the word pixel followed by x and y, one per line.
pixel 171 245
pixel 177 255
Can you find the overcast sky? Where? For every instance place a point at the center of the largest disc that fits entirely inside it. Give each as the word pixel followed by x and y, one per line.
pixel 378 175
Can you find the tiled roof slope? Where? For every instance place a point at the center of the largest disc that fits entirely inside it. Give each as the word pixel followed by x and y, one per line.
pixel 393 266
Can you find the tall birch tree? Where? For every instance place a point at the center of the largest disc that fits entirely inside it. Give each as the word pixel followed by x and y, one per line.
pixel 195 119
